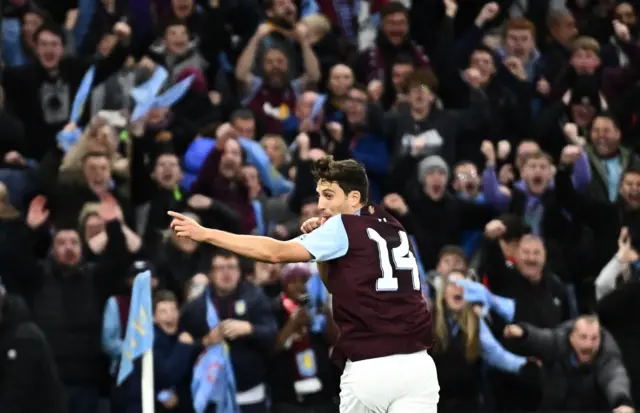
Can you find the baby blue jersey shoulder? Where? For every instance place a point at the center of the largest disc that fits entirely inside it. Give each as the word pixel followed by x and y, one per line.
pixel 328 242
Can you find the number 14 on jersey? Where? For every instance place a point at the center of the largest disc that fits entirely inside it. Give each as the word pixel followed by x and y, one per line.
pixel 403 259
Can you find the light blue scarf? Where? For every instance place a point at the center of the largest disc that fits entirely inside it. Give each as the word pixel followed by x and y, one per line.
pixel 213 378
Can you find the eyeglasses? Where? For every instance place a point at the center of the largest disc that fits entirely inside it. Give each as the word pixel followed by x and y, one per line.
pixel 466 175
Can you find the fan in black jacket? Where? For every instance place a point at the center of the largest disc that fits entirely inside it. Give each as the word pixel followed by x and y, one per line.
pixel 29 380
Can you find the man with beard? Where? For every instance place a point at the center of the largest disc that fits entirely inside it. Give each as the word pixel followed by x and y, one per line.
pixel 42 92
pixel 282 16
pixel 579 352
pixel 374 65
pixel 27 368
pixel 66 296
pixel 273 96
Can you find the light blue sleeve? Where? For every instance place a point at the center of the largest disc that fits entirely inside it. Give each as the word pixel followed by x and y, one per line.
pixel 328 242
pixel 111 329
pixel 495 355
pixel 505 307
pixel 269 176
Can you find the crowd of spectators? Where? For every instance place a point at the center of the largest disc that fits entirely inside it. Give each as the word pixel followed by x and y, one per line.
pixel 502 135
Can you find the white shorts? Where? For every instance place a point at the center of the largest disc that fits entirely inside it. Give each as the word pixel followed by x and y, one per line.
pixel 402 383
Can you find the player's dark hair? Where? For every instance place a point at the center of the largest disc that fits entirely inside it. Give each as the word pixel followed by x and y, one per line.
pixel 313 199
pixel 348 174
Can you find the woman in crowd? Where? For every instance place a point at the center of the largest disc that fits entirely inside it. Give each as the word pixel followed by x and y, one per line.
pixel 463 341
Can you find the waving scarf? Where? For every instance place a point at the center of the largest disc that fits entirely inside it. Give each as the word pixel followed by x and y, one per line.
pixel 213 379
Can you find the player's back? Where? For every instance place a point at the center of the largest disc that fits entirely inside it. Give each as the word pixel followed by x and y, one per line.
pixel 376 295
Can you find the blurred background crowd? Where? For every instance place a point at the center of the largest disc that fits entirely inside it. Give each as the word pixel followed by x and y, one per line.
pixel 503 135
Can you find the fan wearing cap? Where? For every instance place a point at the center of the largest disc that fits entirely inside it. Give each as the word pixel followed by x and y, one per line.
pixel 302 372
pixel 26 362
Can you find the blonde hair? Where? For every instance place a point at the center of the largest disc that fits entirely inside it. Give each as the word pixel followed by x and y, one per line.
pixel 467 319
pixel 586 43
pixel 88 209
pixel 318 22
pixel 318 25
pixel 73 158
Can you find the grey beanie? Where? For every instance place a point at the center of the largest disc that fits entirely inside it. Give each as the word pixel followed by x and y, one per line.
pixel 429 163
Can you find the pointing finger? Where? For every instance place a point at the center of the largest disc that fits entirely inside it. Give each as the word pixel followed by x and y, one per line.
pixel 176 215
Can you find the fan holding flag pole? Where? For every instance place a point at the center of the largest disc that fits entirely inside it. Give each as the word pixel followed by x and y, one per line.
pixel 71 133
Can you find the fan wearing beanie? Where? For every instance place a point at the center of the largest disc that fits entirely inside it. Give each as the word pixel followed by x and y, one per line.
pixel 433 175
pixel 436 217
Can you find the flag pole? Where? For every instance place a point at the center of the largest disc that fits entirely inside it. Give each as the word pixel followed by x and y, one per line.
pixel 148 402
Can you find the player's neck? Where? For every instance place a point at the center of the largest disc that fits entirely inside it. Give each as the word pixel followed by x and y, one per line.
pixel 357 209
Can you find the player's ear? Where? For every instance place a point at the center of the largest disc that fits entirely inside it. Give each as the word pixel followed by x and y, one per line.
pixel 354 198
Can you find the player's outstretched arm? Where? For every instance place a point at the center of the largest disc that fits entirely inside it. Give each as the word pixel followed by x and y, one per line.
pixel 252 246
